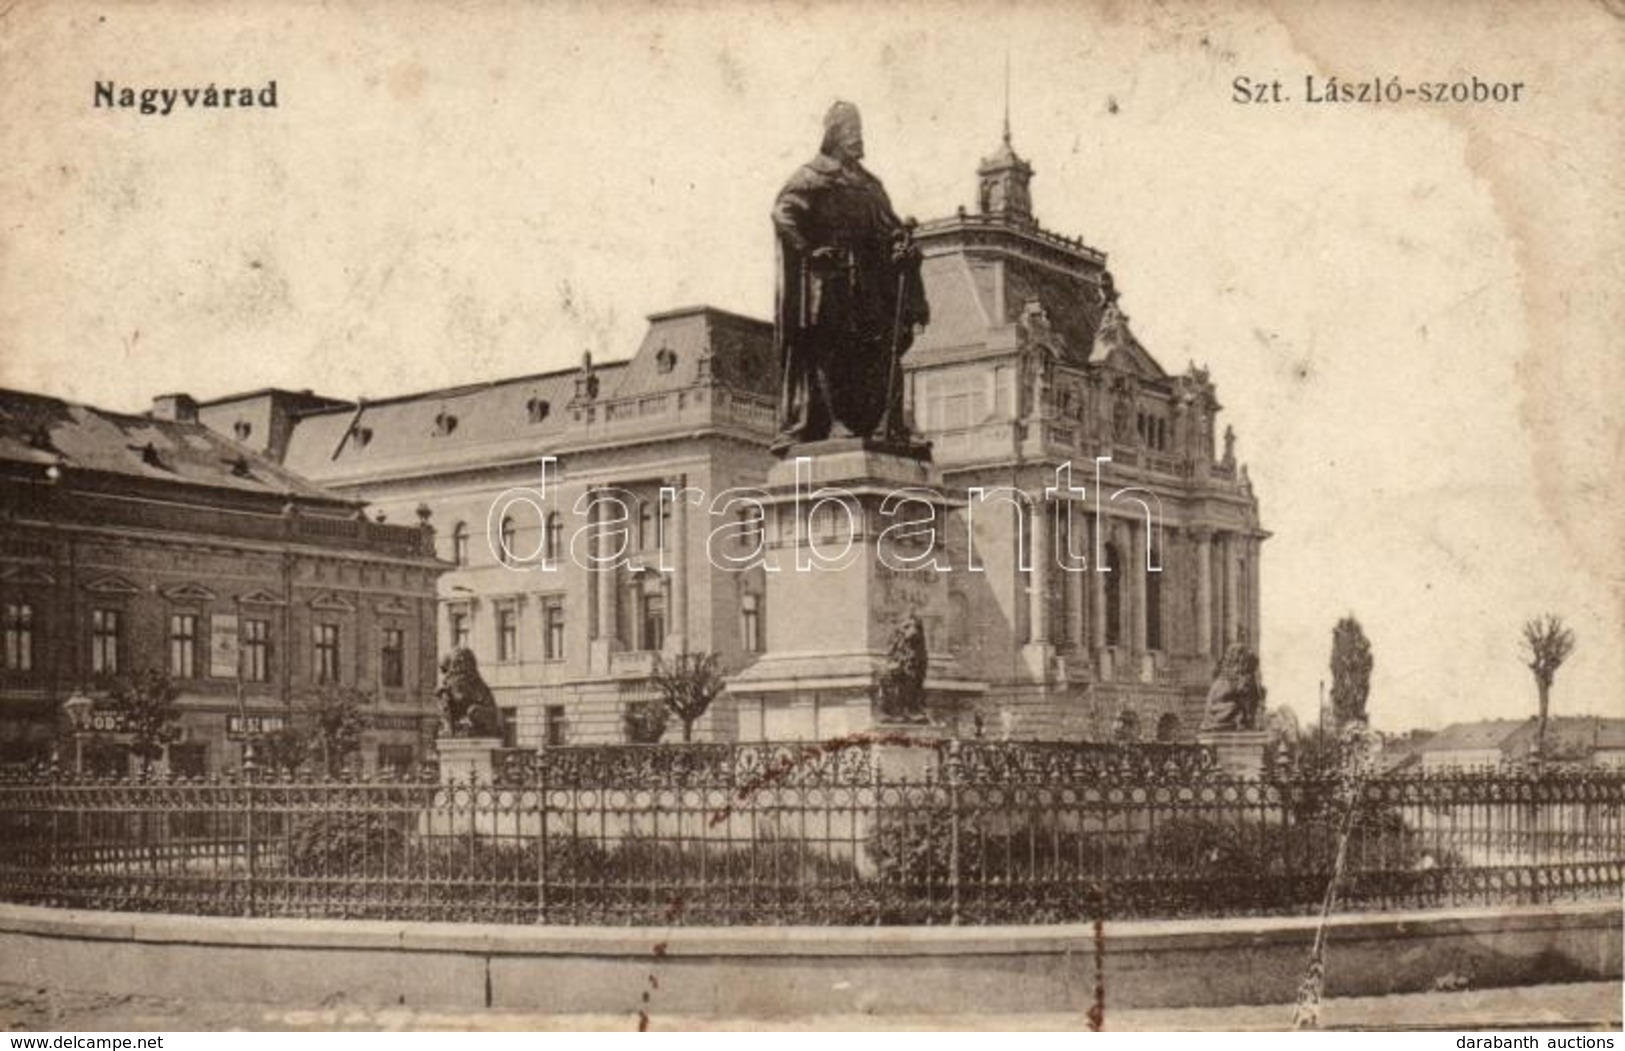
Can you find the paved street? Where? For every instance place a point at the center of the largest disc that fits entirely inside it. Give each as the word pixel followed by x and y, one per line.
pixel 1590 1005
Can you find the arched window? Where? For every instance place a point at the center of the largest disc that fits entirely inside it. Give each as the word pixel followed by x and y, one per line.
pixel 459 543
pixel 750 622
pixel 509 537
pixel 555 535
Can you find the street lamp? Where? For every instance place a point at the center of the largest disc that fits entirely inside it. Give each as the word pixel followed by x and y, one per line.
pixel 78 708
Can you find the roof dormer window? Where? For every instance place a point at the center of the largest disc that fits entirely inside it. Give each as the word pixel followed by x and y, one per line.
pixel 444 424
pixel 242 429
pixel 537 409
pixel 665 360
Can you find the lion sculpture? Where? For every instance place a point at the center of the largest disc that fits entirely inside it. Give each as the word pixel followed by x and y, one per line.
pixel 467 708
pixel 902 684
pixel 1236 697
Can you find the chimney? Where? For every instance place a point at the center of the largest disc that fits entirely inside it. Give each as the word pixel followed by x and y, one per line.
pixel 177 408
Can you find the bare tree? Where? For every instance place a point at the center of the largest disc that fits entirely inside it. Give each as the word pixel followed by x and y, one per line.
pixel 1547 643
pixel 688 683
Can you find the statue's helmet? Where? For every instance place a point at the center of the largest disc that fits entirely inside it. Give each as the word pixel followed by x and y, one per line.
pixel 842 123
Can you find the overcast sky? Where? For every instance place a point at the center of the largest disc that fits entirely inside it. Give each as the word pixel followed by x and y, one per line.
pixel 1412 312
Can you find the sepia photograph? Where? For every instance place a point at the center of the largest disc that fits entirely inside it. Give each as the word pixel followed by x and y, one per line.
pixel 926 516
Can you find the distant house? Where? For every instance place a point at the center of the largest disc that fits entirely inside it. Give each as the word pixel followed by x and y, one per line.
pixel 132 543
pixel 1488 744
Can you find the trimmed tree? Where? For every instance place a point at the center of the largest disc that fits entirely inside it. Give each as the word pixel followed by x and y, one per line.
pixel 1351 672
pixel 337 721
pixel 1547 643
pixel 646 722
pixel 284 751
pixel 146 703
pixel 687 683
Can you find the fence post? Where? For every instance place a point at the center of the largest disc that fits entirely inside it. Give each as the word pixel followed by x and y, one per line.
pixel 539 779
pixel 951 770
pixel 877 834
pixel 251 846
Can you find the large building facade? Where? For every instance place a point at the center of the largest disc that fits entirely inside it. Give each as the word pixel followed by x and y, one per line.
pixel 1106 591
pixel 151 543
pixel 1088 610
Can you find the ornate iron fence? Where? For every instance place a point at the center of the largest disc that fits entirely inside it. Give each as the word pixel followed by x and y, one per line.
pixel 851 832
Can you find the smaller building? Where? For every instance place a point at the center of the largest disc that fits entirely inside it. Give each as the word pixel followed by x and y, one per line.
pixel 1489 744
pixel 130 543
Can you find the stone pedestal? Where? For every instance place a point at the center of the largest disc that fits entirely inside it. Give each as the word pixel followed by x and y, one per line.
pixel 464 759
pixel 1239 753
pixel 849 531
pixel 907 751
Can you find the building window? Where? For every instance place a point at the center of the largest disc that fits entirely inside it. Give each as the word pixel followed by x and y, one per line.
pixel 106 640
pixel 553 616
pixel 958 621
pixel 508 719
pixel 1168 727
pixel 554 716
pixel 326 638
pixel 392 665
pixel 257 650
pixel 1114 596
pixel 646 526
pixel 954 400
pixel 507 634
pixel 459 543
pixel 508 535
pixel 19 626
pixel 654 622
pixel 183 645
pixel 1153 609
pixel 458 621
pixel 750 526
pixel 750 614
pixel 395 759
pixel 555 535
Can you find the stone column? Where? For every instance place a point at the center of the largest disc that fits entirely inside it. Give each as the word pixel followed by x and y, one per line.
pixel 1137 539
pixel 607 596
pixel 1255 599
pixel 1038 609
pixel 1232 619
pixel 1097 584
pixel 677 635
pixel 1077 577
pixel 1201 541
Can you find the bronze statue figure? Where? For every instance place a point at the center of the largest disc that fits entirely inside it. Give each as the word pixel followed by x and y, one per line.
pixel 902 685
pixel 1236 696
pixel 467 707
pixel 849 296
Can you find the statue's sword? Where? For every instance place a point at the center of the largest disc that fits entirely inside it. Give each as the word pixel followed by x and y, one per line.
pixel 892 424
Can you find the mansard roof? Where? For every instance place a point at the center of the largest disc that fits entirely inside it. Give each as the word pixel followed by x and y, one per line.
pixel 526 417
pixel 38 432
pixel 423 427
